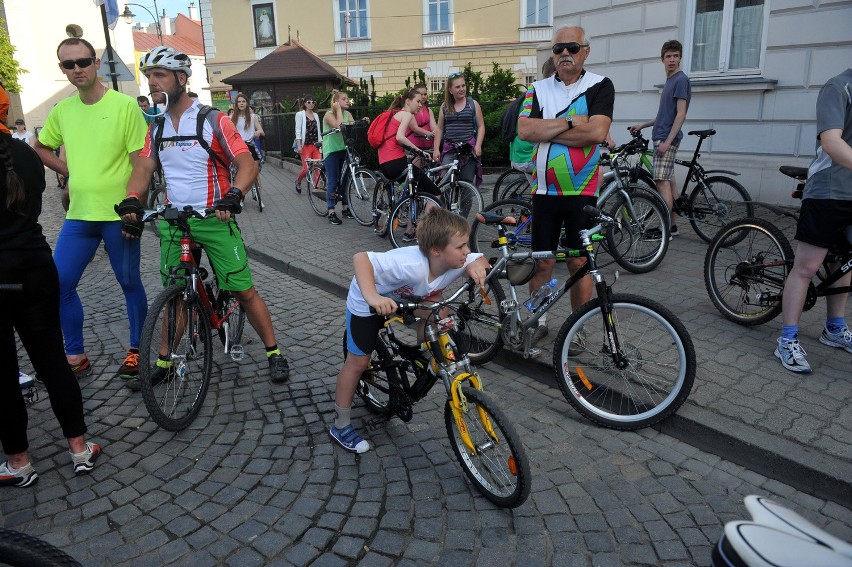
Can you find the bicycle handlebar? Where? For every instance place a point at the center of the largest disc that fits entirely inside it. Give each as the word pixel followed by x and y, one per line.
pixel 415 302
pixel 169 212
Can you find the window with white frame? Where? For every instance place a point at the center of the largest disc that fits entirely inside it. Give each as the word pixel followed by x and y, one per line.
pixel 437 14
pixel 352 19
pixel 437 85
pixel 727 36
pixel 536 13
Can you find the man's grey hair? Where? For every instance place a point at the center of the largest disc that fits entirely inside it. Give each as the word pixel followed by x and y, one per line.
pixel 586 39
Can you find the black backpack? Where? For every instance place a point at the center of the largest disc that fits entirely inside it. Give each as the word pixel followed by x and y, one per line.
pixel 203 113
pixel 509 121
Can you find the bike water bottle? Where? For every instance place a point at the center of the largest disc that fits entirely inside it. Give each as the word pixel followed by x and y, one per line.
pixel 540 295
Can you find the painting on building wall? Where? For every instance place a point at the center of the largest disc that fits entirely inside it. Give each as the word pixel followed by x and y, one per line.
pixel 264 27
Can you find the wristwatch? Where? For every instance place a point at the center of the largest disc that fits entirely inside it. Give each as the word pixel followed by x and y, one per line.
pixel 570 120
pixel 236 191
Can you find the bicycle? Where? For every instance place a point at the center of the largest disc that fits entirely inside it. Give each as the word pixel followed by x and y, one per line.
pixel 622 361
pixel 507 177
pixel 714 200
pixel 359 181
pixel 459 196
pixel 748 261
pixel 175 355
pixel 22 550
pixel 255 190
pixel 482 437
pixel 638 241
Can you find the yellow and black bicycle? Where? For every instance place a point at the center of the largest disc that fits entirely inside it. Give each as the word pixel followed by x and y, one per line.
pixel 400 374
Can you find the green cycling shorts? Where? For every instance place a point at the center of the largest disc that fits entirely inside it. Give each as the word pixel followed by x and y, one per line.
pixel 223 244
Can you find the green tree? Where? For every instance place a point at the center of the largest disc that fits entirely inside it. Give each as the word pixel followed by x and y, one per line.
pixel 9 67
pixel 500 85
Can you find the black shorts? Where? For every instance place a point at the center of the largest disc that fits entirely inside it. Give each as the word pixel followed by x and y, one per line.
pixel 551 212
pixel 362 333
pixel 824 222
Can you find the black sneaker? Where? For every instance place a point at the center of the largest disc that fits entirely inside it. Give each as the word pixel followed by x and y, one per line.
pixel 673 231
pixel 332 218
pixel 158 375
pixel 298 188
pixel 347 214
pixel 279 370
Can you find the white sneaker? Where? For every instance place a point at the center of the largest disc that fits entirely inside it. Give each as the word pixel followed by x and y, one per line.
pixel 25 380
pixel 792 356
pixel 843 339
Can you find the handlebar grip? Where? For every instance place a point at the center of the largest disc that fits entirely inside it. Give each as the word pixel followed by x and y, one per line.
pixel 592 211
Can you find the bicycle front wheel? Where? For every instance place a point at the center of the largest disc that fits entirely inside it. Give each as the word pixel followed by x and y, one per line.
pixel 646 382
pixel 483 237
pixel 481 319
pixel 518 189
pixel 406 216
pixel 359 190
pixel 498 465
pixel 716 202
pixel 463 199
pixel 177 332
pixel 507 177
pixel 316 194
pixel 638 243
pixel 744 271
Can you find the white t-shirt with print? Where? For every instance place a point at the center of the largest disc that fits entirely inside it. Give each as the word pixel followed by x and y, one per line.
pixel 402 271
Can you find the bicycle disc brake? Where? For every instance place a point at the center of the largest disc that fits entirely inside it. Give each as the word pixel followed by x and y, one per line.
pixel 237 353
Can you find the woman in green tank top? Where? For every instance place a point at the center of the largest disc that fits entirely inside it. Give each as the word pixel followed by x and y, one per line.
pixel 334 153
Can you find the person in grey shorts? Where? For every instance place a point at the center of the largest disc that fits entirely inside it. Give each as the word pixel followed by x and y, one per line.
pixel 667 134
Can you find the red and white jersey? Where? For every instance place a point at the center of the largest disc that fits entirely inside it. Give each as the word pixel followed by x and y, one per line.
pixel 192 176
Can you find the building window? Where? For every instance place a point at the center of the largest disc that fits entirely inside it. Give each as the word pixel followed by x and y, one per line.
pixel 437 85
pixel 536 13
pixel 352 21
pixel 727 36
pixel 437 16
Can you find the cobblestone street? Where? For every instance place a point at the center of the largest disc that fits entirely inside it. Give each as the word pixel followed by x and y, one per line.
pixel 255 479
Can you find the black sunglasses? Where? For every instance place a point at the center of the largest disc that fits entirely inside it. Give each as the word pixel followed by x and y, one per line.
pixel 81 63
pixel 573 47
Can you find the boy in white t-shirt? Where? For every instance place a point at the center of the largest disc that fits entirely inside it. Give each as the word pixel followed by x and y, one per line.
pixel 441 256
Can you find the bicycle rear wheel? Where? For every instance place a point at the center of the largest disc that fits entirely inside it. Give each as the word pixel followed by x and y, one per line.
pixel 22 550
pixel 174 391
pixel 463 199
pixel 640 241
pixel 316 195
pixel 744 271
pixel 498 467
pixel 658 363
pixel 406 216
pixel 359 191
pixel 382 206
pixel 518 189
pixel 374 387
pixel 483 237
pixel 716 203
pixel 509 176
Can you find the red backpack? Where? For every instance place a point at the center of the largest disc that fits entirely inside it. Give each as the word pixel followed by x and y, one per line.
pixel 378 127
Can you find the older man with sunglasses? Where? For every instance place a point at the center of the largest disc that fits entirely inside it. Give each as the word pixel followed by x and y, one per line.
pixel 567 115
pixel 102 131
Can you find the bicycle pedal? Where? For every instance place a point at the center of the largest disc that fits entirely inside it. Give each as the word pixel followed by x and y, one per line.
pixel 533 353
pixel 237 353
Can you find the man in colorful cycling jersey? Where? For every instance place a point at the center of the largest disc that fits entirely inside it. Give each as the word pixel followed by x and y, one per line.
pixel 199 176
pixel 567 115
pixel 102 131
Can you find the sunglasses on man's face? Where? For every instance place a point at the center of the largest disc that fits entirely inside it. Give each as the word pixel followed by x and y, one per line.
pixel 81 63
pixel 573 47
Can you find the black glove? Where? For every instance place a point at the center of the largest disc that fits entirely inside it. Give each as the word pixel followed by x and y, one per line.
pixel 231 202
pixel 128 206
pixel 133 228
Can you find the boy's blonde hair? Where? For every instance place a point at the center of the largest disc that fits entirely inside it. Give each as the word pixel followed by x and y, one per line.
pixel 438 227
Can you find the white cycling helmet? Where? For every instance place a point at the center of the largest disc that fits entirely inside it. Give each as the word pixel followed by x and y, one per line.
pixel 163 57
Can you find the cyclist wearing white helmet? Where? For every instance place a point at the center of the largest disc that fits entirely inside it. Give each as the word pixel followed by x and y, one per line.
pixel 196 145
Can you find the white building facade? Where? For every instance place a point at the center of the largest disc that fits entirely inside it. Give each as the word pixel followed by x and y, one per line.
pixel 756 67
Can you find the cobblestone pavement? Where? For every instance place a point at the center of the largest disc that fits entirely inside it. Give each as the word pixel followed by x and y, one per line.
pixel 255 480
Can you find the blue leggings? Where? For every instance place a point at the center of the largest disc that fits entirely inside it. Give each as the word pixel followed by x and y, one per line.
pixel 336 178
pixel 75 247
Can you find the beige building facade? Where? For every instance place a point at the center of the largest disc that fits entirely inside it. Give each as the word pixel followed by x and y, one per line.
pixel 383 39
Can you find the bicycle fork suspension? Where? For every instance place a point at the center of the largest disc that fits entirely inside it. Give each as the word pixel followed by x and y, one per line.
pixel 605 295
pixel 459 407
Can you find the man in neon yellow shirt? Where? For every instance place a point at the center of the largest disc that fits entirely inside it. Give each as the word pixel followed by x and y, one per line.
pixel 103 132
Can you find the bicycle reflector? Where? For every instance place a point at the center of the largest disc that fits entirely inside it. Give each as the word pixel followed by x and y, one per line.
pixel 513 466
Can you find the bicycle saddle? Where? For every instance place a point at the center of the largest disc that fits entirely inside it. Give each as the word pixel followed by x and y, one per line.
pixel 800 173
pixel 702 133
pixel 492 218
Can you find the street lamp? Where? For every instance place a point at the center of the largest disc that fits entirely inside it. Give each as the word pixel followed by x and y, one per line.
pixel 128 17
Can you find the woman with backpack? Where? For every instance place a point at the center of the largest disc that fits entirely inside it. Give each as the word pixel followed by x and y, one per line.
pixel 308 137
pixel 460 120
pixel 392 162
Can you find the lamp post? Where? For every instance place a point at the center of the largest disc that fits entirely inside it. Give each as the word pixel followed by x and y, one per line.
pixel 346 19
pixel 128 17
